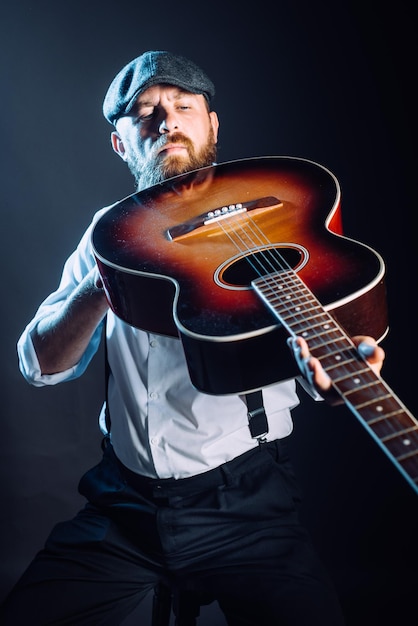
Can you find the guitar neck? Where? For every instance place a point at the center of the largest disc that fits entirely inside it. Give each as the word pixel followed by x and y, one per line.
pixel 371 400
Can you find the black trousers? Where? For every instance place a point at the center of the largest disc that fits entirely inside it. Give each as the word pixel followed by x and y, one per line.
pixel 232 532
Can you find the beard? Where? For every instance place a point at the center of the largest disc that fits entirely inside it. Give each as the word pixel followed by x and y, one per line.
pixel 157 169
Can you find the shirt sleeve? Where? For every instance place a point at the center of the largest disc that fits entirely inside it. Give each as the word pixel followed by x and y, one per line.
pixel 75 269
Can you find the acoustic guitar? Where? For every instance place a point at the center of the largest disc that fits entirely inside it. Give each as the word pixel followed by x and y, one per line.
pixel 233 259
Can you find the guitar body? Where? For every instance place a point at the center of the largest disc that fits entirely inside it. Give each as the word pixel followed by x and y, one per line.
pixel 175 262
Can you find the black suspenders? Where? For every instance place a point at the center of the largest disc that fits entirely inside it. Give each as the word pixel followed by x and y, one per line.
pixel 257 418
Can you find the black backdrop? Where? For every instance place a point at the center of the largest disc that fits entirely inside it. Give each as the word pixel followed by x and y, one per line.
pixel 327 81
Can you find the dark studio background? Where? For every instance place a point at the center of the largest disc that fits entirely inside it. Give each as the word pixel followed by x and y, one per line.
pixel 327 81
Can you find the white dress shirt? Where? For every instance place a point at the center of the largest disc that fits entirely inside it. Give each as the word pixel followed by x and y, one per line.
pixel 161 425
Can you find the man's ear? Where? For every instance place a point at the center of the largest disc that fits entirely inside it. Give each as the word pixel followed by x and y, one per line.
pixel 215 124
pixel 117 145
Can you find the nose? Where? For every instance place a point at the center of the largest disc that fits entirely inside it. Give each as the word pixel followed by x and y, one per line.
pixel 162 129
pixel 168 124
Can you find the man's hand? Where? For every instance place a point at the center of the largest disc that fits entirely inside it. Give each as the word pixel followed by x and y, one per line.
pixel 314 373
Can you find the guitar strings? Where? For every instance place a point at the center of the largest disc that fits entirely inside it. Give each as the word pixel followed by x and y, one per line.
pixel 269 258
pixel 259 243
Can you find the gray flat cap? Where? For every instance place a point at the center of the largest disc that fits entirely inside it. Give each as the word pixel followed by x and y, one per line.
pixel 153 68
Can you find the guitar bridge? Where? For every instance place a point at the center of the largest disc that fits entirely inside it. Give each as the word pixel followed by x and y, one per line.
pixel 221 213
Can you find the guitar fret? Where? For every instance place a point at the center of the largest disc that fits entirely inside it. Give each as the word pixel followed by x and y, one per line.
pixel 282 309
pixel 387 430
pixel 370 403
pixel 350 378
pixel 388 416
pixel 338 353
pixel 315 331
pixel 380 406
pixel 292 292
pixel 304 319
pixel 320 343
pixel 408 456
pixel 403 446
pixel 366 387
pixel 403 432
pixel 298 312
pixel 295 299
pixel 285 293
pixel 340 356
pixel 325 343
pixel 401 450
pixel 321 346
pixel 335 360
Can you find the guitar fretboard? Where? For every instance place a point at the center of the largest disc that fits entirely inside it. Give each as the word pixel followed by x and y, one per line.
pixel 380 411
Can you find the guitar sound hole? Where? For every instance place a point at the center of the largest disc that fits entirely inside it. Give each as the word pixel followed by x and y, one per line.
pixel 242 271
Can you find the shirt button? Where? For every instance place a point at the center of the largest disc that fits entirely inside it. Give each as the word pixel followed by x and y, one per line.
pixel 153 343
pixel 154 441
pixel 153 395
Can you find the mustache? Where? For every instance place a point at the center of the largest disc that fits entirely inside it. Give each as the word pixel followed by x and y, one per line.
pixel 172 138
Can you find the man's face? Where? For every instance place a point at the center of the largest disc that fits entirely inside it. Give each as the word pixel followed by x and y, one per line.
pixel 167 132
